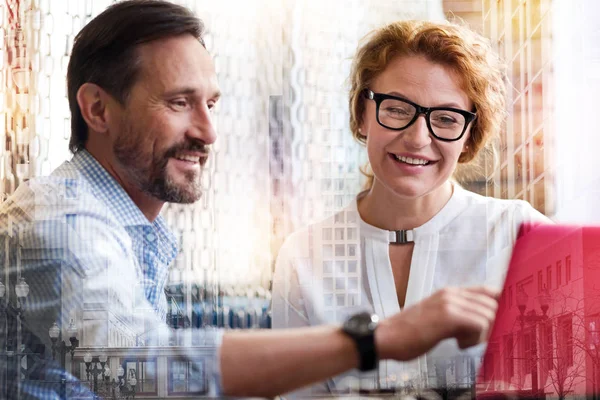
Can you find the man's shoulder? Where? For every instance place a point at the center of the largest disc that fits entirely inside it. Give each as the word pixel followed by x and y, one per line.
pixel 55 218
pixel 64 194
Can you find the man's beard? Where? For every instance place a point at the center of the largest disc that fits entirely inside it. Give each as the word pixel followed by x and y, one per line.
pixel 149 174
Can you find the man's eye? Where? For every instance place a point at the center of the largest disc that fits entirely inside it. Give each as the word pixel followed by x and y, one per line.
pixel 180 103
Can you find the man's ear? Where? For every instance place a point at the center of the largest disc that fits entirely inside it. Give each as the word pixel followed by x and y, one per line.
pixel 93 102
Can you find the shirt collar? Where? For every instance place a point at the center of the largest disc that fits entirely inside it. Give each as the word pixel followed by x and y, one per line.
pixel 450 210
pixel 105 186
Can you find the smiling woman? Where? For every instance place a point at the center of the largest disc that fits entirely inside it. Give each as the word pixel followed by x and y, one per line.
pixel 390 144
pixel 424 97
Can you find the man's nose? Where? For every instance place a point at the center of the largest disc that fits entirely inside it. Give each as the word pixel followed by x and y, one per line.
pixel 203 128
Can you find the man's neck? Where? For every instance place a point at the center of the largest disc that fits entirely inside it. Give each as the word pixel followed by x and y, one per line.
pixel 148 205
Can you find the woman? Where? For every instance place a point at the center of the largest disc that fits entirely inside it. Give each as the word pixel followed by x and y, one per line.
pixel 424 97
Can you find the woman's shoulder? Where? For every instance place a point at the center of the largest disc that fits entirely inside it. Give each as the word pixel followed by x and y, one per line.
pixel 516 208
pixel 299 241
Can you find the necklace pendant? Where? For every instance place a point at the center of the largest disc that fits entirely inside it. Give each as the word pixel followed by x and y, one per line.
pixel 402 236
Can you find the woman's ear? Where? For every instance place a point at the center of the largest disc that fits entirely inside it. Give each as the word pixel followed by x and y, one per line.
pixel 467 143
pixel 362 129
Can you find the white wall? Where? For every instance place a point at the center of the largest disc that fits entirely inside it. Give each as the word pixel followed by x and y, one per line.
pixel 577 110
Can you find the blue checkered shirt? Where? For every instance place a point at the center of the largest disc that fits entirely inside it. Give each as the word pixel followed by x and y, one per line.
pixel 82 245
pixel 155 247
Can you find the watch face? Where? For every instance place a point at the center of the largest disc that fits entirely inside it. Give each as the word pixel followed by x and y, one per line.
pixel 361 324
pixel 361 328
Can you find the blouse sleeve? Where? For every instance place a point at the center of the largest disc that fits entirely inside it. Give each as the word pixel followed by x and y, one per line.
pixel 289 306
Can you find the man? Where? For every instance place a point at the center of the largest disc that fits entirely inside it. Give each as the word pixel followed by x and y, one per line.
pixel 141 88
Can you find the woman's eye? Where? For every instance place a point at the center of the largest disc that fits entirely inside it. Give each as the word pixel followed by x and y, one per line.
pixel 397 111
pixel 445 119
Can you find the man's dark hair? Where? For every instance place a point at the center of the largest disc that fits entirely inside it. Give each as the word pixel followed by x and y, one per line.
pixel 105 50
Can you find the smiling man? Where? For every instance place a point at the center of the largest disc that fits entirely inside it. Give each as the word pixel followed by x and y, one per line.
pixel 152 133
pixel 141 88
pixel 164 131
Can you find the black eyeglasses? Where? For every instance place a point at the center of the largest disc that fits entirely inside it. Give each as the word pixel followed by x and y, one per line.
pixel 444 123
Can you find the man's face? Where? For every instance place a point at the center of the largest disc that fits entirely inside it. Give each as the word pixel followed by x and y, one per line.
pixel 161 135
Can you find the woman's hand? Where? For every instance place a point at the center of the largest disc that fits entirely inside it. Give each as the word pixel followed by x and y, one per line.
pixel 466 314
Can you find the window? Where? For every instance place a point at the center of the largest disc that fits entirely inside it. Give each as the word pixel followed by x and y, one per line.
pixel 71 188
pixel 490 361
pixel 509 358
pixel 527 352
pixel 532 64
pixel 186 376
pixel 594 333
pixel 71 220
pixel 548 277
pixel 568 269
pixel 558 274
pixel 78 369
pixel 144 371
pixel 565 340
pixel 540 281
pixel 548 345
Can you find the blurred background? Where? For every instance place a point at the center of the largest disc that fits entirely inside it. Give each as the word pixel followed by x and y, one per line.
pixel 285 156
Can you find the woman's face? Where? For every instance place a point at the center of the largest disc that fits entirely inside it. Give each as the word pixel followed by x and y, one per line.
pixel 411 163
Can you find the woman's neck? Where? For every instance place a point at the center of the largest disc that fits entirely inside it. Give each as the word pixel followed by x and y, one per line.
pixel 384 209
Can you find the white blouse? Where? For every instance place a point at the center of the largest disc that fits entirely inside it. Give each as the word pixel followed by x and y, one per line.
pixel 341 266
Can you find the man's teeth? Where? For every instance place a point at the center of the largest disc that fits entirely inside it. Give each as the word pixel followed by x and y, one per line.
pixel 412 161
pixel 188 158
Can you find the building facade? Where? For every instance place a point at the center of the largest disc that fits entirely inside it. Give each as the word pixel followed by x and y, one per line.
pixel 545 339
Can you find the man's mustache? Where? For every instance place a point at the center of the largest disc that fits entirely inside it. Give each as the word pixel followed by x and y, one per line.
pixel 196 147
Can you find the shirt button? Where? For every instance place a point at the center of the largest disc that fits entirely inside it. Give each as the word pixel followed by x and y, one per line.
pixel 151 237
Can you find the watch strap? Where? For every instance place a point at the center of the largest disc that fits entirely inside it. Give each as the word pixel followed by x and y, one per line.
pixel 367 353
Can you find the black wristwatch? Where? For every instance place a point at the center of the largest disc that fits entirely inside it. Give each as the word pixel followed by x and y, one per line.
pixel 361 328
